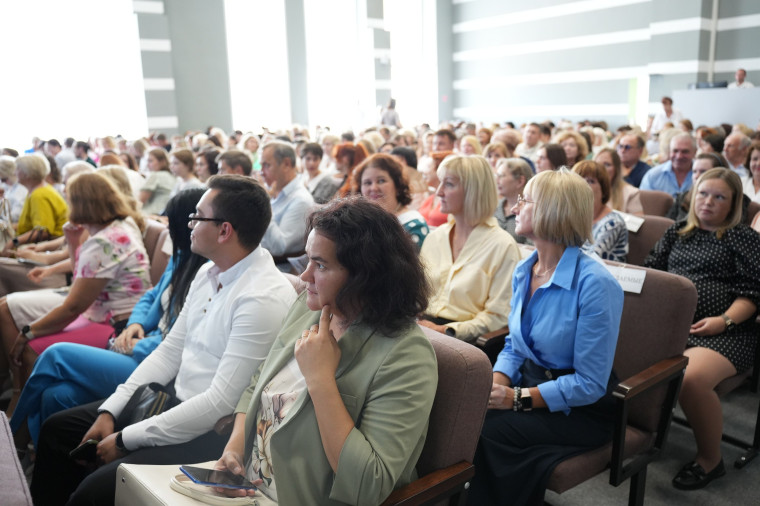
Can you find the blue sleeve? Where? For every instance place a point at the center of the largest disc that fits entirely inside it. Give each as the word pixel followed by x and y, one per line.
pixel 148 311
pixel 599 311
pixel 508 362
pixel 646 181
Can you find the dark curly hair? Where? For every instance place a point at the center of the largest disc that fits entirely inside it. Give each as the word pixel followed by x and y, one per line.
pixel 389 164
pixel 386 285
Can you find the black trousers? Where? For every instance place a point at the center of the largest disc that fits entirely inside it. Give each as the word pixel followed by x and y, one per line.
pixel 58 480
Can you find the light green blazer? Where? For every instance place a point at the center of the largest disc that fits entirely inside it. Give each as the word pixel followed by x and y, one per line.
pixel 387 384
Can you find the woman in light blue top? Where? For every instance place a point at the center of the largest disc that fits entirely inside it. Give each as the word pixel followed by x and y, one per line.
pixel 549 396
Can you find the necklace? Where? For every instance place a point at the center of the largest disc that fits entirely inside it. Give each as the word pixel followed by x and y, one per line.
pixel 541 275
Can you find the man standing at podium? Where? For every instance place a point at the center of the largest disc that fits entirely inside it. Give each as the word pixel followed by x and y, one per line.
pixel 740 82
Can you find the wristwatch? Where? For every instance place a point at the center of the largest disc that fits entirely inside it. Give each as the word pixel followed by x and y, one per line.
pixel 729 322
pixel 120 443
pixel 26 330
pixel 15 242
pixel 526 400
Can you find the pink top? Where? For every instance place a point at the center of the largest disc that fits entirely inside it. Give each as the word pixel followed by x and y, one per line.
pixel 431 211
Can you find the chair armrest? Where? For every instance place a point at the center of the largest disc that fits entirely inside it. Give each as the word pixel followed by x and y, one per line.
pixel 481 340
pixel 665 372
pixel 434 486
pixel 650 377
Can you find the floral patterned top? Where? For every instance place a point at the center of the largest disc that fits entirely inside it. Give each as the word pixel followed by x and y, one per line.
pixel 115 253
pixel 276 400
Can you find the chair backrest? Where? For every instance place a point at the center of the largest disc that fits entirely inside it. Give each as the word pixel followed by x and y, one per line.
pixel 654 326
pixel 642 242
pixel 154 238
pixel 461 399
pixel 752 211
pixel 655 202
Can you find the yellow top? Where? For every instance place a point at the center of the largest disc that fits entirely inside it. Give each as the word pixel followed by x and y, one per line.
pixel 45 208
pixel 475 290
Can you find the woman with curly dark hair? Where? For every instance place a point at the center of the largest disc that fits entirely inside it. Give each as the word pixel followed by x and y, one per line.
pixel 340 410
pixel 381 178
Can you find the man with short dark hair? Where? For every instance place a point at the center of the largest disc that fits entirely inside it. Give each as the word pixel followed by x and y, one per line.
pixel 741 82
pixel 62 156
pixel 291 203
pixel 234 161
pixel 444 140
pixel 82 152
pixel 230 318
pixel 629 148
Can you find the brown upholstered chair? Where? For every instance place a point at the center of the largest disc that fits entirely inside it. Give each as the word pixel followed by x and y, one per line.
pixel 464 384
pixel 642 242
pixel 12 480
pixel 655 202
pixel 445 465
pixel 653 332
pixel 752 210
pixel 154 238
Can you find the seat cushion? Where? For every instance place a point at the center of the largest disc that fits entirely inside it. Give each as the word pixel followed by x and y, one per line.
pixel 585 466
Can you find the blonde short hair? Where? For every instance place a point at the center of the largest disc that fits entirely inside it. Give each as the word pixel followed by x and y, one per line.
pixel 563 207
pixel 580 141
pixel 734 217
pixel 496 146
pixel 476 176
pixel 34 166
pixel 7 167
pixel 472 141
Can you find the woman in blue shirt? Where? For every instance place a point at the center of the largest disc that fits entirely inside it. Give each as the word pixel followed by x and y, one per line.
pixel 549 396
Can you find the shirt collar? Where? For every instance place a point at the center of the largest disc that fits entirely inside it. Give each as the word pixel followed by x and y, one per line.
pixel 289 188
pixel 565 272
pixel 220 279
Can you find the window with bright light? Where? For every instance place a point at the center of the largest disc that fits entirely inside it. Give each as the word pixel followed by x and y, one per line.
pixel 70 69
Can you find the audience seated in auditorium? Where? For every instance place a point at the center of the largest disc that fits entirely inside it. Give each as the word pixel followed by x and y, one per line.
pixel 702 163
pixel 674 176
pixel 182 165
pixel 550 157
pixel 291 201
pixel 44 211
pixel 111 273
pixel 469 145
pixel 531 142
pixel 157 189
pixel 575 146
pixel 205 163
pixel 69 374
pixel 10 189
pixel 609 232
pixel 350 335
pixel 512 174
pixel 752 182
pixel 233 161
pixel 223 333
pixel 735 149
pixel 551 395
pixel 469 259
pixel 719 254
pixel 347 157
pixel 380 178
pixel 623 196
pixel 494 152
pixel 630 148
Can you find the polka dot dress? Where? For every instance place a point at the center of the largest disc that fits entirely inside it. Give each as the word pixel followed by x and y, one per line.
pixel 722 270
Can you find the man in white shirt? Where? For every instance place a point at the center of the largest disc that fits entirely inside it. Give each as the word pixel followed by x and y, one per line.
pixel 291 202
pixel 735 149
pixel 740 82
pixel 666 115
pixel 531 143
pixel 230 318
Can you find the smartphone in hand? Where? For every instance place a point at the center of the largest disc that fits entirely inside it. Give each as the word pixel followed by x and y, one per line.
pixel 86 451
pixel 216 478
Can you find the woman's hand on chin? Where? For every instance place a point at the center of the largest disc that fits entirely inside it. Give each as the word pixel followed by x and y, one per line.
pixel 317 351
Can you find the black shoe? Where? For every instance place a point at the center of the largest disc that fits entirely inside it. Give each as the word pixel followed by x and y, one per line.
pixel 693 477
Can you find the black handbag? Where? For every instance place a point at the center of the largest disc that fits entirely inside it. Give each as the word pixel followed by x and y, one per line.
pixel 147 401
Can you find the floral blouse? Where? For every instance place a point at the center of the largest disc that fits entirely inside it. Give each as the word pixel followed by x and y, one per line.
pixel 115 253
